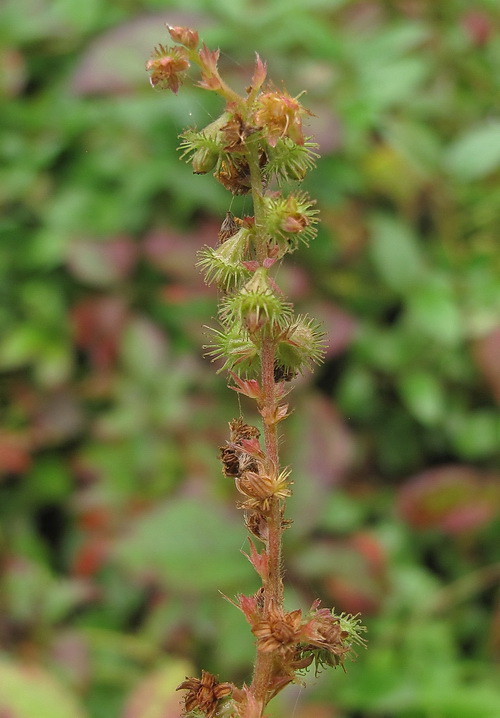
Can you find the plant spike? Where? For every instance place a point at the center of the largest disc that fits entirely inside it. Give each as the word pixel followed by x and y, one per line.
pixel 257 138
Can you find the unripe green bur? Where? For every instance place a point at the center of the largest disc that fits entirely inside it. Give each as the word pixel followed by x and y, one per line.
pixel 203 148
pixel 256 305
pixel 223 264
pixel 303 344
pixel 289 161
pixel 290 220
pixel 233 344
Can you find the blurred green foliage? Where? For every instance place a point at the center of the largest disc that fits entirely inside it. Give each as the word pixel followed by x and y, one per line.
pixel 117 527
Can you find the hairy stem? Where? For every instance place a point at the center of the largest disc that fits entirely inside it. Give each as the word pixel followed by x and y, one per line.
pixel 273 587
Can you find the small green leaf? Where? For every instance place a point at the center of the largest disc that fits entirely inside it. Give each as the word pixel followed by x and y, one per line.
pixel 395 253
pixel 477 435
pixel 476 153
pixel 432 308
pixel 423 395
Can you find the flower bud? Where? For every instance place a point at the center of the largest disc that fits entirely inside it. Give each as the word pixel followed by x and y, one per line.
pixel 184 36
pixel 290 161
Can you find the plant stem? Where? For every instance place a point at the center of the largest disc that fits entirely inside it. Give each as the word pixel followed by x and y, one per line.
pixel 273 587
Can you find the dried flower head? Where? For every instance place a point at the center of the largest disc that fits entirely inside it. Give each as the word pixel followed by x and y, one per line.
pixel 204 694
pixel 280 632
pixel 167 67
pixel 280 115
pixel 233 172
pixel 240 431
pixel 235 458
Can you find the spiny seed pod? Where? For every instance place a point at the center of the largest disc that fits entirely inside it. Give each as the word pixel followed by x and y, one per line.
pixel 290 220
pixel 256 305
pixel 301 344
pixel 203 147
pixel 234 346
pixel 223 265
pixel 289 161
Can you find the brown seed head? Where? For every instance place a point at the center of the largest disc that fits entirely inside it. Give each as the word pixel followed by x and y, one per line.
pixel 239 430
pixel 204 693
pixel 234 175
pixel 234 133
pixel 280 632
pixel 280 115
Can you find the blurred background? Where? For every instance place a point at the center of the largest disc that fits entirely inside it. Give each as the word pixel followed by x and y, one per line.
pixel 117 528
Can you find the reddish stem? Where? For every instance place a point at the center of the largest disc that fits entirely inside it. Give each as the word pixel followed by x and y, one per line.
pixel 273 586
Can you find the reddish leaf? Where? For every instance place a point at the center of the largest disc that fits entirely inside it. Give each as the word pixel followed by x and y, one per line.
pixel 353 571
pixel 340 327
pixel 358 581
pixel 454 499
pixel 58 419
pixel 326 445
pixel 70 652
pixel 98 323
pixel 101 263
pixel 478 26
pixel 90 558
pixel 14 453
pixel 174 254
